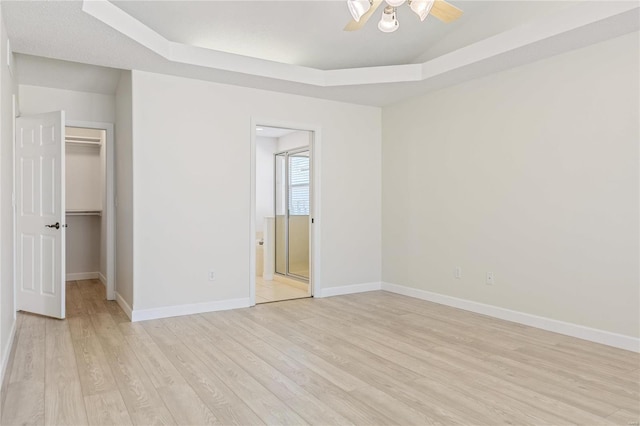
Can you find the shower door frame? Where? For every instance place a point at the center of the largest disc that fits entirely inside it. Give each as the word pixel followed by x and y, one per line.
pixel 287 215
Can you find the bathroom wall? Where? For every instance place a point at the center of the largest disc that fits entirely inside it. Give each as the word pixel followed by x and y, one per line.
pixel 265 148
pixel 293 140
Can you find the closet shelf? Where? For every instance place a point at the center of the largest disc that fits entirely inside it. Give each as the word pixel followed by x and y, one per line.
pixel 84 212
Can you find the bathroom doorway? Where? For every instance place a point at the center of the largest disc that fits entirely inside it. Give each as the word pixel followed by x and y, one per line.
pixel 283 200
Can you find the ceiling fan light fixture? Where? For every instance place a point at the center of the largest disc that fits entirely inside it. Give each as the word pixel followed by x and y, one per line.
pixel 421 7
pixel 389 23
pixel 357 8
pixel 395 3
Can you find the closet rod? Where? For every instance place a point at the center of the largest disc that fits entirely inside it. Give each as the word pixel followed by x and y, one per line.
pixel 82 139
pixel 84 213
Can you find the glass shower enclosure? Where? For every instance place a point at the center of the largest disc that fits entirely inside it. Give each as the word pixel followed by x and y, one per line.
pixel 292 209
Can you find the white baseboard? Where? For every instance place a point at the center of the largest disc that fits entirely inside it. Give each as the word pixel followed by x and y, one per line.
pixel 195 308
pixel 123 304
pixel 7 351
pixel 83 276
pixel 569 329
pixel 349 289
pixel 102 279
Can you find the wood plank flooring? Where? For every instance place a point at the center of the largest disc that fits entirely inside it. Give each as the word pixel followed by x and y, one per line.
pixel 370 358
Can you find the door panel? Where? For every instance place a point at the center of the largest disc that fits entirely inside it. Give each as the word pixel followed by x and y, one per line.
pixel 48 194
pixel 40 200
pixel 48 264
pixel 27 262
pixel 27 184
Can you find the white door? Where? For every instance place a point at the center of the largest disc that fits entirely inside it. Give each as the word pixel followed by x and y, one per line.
pixel 40 214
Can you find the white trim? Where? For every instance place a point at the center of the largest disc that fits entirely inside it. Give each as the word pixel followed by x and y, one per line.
pixel 14 277
pixel 195 308
pixel 7 350
pixel 252 214
pixel 102 279
pixel 569 329
pixel 83 276
pixel 123 304
pixel 315 253
pixel 350 289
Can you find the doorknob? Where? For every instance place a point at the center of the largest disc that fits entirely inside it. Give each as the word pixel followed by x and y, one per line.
pixel 56 225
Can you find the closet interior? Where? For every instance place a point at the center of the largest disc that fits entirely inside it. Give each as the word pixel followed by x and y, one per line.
pixel 85 198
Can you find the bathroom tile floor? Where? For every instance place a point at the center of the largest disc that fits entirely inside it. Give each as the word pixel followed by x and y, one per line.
pixel 281 288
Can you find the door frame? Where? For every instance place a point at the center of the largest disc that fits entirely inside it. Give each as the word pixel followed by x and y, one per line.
pixel 315 280
pixel 110 199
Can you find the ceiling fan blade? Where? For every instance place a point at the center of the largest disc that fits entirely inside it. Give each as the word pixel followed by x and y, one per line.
pixel 354 25
pixel 446 12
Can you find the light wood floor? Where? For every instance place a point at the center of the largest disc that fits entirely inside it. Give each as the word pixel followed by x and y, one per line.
pixel 280 288
pixel 370 358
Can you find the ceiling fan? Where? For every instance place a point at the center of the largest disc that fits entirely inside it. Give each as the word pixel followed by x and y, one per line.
pixel 361 10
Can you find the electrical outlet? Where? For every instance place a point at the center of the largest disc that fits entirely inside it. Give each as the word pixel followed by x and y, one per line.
pixel 489 278
pixel 212 275
pixel 457 272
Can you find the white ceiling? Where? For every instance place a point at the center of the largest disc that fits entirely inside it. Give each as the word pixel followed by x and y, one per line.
pixel 305 36
pixel 310 33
